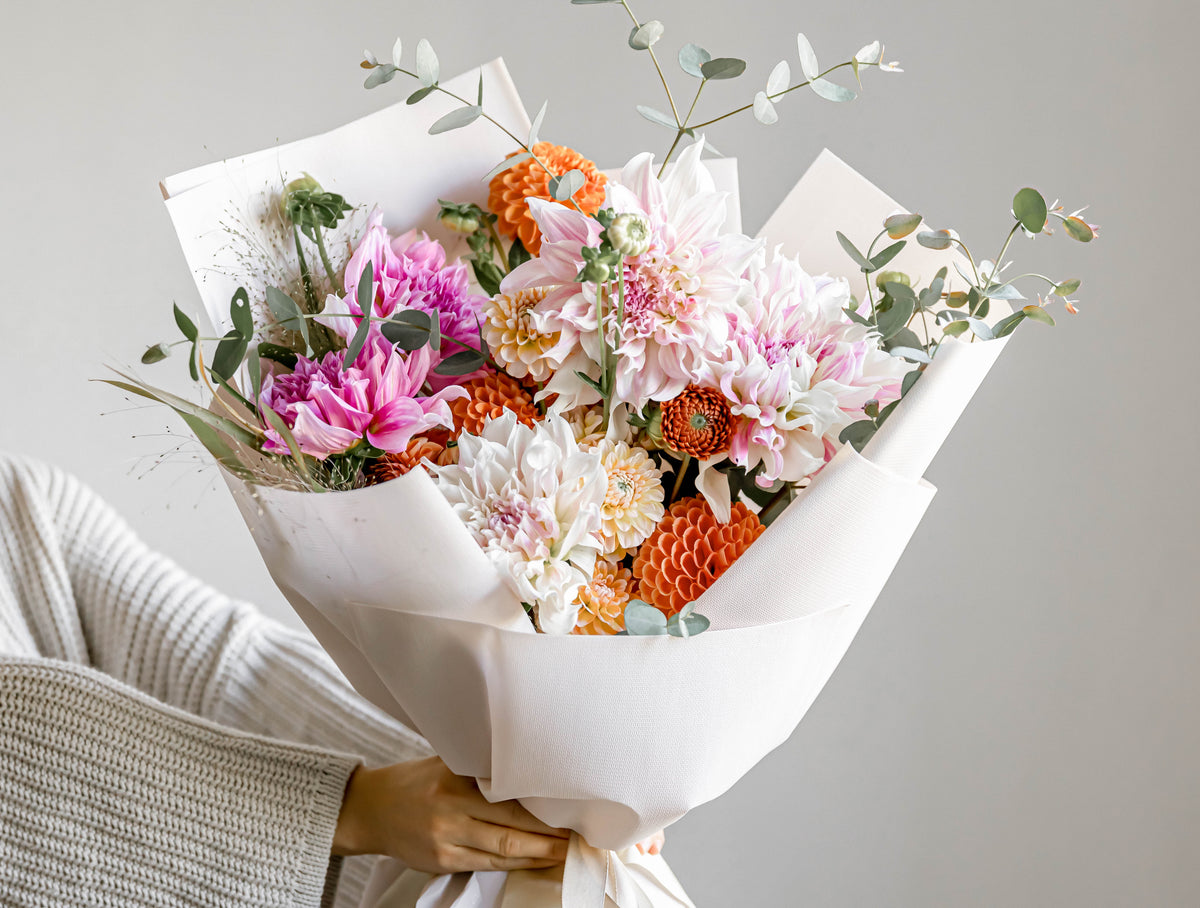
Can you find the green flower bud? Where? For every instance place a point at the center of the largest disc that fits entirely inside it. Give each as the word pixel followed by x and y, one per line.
pixel 629 234
pixel 459 223
pixel 595 272
pixel 883 278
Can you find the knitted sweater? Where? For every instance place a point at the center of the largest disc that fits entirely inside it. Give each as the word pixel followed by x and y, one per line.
pixel 161 744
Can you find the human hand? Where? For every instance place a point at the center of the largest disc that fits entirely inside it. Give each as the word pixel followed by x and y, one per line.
pixel 437 822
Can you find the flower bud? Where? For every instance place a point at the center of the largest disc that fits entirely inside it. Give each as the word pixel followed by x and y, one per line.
pixel 296 194
pixel 892 277
pixel 459 223
pixel 595 272
pixel 629 234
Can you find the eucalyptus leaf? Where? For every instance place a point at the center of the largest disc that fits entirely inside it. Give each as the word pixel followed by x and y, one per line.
pixel 1003 292
pixel 435 330
pixel 365 294
pixel 723 68
pixel 780 78
pixel 1079 229
pixel 408 330
pixel 955 328
pixel 685 626
pixel 764 110
pixel 644 620
pixel 456 119
pixel 462 363
pixel 882 258
pixel 691 58
pixel 935 239
pixel 380 74
pixel 899 226
pixel 240 314
pixel 511 161
pixel 428 69
pixel 1006 326
pixel 912 354
pixel 897 317
pixel 356 342
pixel 536 128
pixel 831 91
pixel 857 434
pixel 808 57
pixel 155 354
pixel 564 187
pixel 228 358
pixel 397 53
pixel 905 337
pixel 479 96
pixel 254 368
pixel 910 379
pixel 1066 288
pixel 286 312
pixel 518 255
pixel 421 94
pixel 863 262
pixel 646 35
pixel 1030 209
pixel 1038 314
pixel 656 116
pixel 981 328
pixel 186 325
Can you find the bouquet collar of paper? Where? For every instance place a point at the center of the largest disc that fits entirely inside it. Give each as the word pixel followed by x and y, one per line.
pixel 632 419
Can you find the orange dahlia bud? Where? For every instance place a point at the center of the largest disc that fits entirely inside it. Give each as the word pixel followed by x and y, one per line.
pixel 602 602
pixel 490 396
pixel 697 422
pixel 434 447
pixel 509 191
pixel 689 550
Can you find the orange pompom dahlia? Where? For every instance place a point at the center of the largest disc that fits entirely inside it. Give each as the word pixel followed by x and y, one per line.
pixel 697 422
pixel 510 191
pixel 602 602
pixel 689 550
pixel 434 447
pixel 491 395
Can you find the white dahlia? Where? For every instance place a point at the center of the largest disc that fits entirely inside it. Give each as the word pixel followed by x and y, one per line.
pixel 633 503
pixel 532 499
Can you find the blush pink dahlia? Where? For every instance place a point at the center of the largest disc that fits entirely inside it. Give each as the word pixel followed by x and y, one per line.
pixel 410 273
pixel 678 293
pixel 330 409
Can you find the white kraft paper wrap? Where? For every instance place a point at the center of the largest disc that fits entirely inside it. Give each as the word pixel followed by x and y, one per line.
pixel 400 595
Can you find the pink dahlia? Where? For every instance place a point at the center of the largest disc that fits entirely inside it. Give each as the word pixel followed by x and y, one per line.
pixel 330 409
pixel 677 294
pixel 410 273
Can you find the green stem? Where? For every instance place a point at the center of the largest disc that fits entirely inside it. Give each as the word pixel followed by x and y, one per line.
pixel 498 246
pixel 995 275
pixel 333 280
pixel 305 275
pixel 670 152
pixel 662 78
pixel 778 94
pixel 683 466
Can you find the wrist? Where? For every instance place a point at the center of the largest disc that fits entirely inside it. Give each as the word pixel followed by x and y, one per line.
pixel 352 835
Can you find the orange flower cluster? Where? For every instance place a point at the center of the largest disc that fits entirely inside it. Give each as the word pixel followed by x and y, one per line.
pixel 510 191
pixel 697 422
pixel 689 550
pixel 491 395
pixel 602 602
pixel 434 447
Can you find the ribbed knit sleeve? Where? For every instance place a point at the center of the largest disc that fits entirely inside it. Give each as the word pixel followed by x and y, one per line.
pixel 110 798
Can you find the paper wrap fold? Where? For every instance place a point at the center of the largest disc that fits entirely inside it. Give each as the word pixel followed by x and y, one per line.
pixel 614 737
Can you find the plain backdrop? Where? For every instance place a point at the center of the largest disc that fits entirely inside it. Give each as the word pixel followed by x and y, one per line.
pixel 1017 723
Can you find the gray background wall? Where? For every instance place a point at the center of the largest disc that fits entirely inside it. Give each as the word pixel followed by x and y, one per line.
pixel 1017 723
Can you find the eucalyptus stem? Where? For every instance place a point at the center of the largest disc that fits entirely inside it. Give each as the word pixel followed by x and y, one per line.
pixel 662 77
pixel 1000 258
pixel 778 94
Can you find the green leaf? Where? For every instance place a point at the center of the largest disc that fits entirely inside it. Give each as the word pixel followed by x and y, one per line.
pixel 903 306
pixel 1038 314
pixel 656 116
pixel 289 439
pixel 902 293
pixel 182 406
pixel 456 119
pixel 831 91
pixel 909 380
pixel 286 312
pixel 504 165
pixel 855 317
pixel 935 239
pixel 186 325
pixel 357 341
pixel 646 35
pixel 1003 292
pixel 590 382
pixel 899 226
pixel 254 368
pixel 1006 326
pixel 780 78
pixel 1079 229
pixel 882 258
pixel 905 337
pixel 1066 288
pixel 955 328
pixel 215 445
pixel 1030 209
pixel 808 57
pixel 365 294
pixel 764 110
pixel 435 330
pixel 536 127
pixel 421 94
pixel 692 58
pixel 428 69
pixel 517 255
pixel 397 53
pixel 230 352
pixel 981 328
pixel 564 187
pixel 155 354
pixel 380 74
pixel 488 274
pixel 857 434
pixel 462 363
pixel 644 620
pixel 723 68
pixel 863 262
pixel 240 314
pixel 686 625
pixel 912 354
pixel 409 329
pixel 278 354
pixel 479 96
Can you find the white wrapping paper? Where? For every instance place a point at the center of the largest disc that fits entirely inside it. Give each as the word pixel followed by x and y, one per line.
pixel 615 737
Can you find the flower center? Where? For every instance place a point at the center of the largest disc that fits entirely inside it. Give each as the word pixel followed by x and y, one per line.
pixel 623 490
pixel 516 522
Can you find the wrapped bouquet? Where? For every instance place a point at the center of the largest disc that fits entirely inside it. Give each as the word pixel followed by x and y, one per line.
pixel 565 471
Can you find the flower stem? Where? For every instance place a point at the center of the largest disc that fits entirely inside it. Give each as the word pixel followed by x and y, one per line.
pixel 662 78
pixel 333 280
pixel 683 466
pixel 778 94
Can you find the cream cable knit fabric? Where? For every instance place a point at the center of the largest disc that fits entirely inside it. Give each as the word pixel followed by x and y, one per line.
pixel 143 721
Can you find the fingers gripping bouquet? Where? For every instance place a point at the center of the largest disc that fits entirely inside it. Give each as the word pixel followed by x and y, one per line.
pixel 520 450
